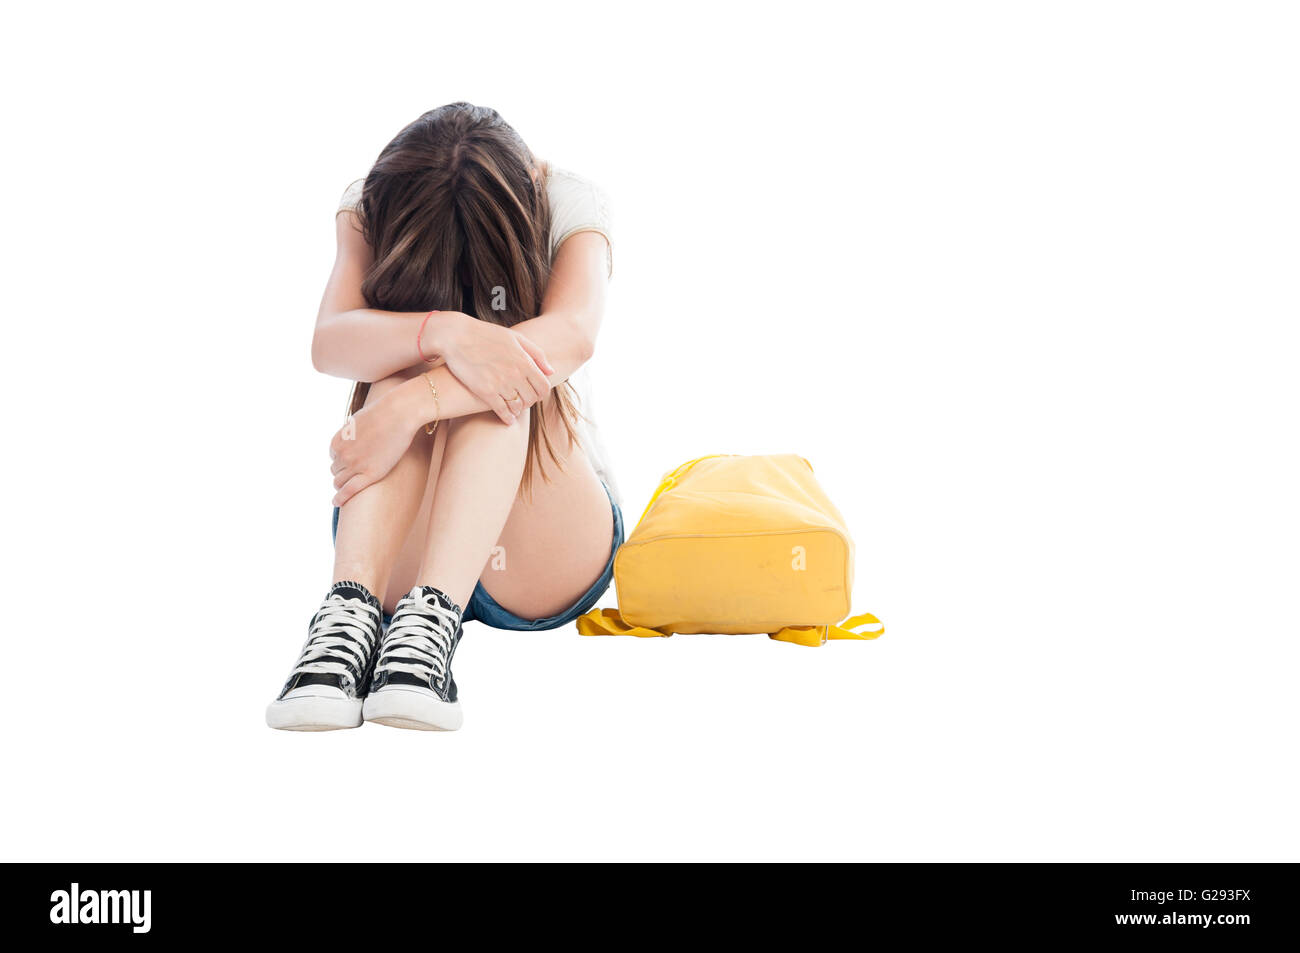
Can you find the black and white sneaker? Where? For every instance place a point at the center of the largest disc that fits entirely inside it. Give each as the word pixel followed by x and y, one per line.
pixel 412 685
pixel 325 688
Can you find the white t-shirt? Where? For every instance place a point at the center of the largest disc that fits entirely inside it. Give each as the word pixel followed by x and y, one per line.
pixel 577 205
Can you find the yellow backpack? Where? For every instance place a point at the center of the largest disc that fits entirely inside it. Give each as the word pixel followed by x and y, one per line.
pixel 735 544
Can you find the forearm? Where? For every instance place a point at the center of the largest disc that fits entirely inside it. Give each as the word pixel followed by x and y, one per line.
pixel 367 345
pixel 565 339
pixel 565 343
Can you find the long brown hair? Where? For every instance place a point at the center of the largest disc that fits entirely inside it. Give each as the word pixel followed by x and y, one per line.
pixel 455 210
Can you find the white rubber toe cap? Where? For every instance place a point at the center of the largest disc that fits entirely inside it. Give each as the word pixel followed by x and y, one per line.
pixel 412 708
pixel 314 708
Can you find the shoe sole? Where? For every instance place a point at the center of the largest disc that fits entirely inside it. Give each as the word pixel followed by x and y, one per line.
pixel 312 713
pixel 414 710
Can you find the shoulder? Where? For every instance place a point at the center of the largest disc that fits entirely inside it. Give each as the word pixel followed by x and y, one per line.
pixel 573 192
pixel 351 195
pixel 578 204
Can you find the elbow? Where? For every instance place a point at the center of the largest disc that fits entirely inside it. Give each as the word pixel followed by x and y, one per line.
pixel 320 361
pixel 318 348
pixel 320 355
pixel 582 341
pixel 330 355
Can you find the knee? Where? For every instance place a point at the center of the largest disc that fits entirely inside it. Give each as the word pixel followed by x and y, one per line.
pixel 487 426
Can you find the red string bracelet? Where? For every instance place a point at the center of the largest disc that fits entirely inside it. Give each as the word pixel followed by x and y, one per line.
pixel 420 334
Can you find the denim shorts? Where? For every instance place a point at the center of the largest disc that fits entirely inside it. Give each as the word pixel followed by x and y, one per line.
pixel 484 608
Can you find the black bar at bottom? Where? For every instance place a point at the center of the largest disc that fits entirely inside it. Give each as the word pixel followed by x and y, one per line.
pixel 130 904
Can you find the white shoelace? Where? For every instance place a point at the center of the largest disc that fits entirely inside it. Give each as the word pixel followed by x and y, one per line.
pixel 419 642
pixel 344 630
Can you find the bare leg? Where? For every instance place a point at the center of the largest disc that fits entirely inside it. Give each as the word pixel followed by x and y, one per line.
pixel 470 484
pixel 324 690
pixel 554 543
pixel 375 522
pixel 478 481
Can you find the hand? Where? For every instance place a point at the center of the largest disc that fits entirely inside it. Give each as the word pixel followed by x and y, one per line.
pixel 368 446
pixel 493 362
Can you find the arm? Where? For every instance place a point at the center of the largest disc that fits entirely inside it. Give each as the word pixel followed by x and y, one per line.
pixel 351 340
pixel 565 330
pixel 571 314
pixel 492 362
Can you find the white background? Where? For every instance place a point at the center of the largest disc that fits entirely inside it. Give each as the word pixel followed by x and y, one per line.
pixel 1018 278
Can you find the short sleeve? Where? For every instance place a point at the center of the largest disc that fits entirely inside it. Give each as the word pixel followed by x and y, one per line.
pixel 578 205
pixel 351 196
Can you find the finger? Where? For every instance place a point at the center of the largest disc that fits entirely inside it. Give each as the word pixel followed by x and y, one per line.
pixel 537 354
pixel 337 465
pixel 350 489
pixel 343 476
pixel 502 409
pixel 520 397
pixel 540 385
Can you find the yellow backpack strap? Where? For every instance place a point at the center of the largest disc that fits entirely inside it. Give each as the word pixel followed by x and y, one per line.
pixel 865 626
pixel 609 622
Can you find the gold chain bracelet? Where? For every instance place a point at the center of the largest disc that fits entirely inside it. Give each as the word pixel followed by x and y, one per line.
pixel 437 406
